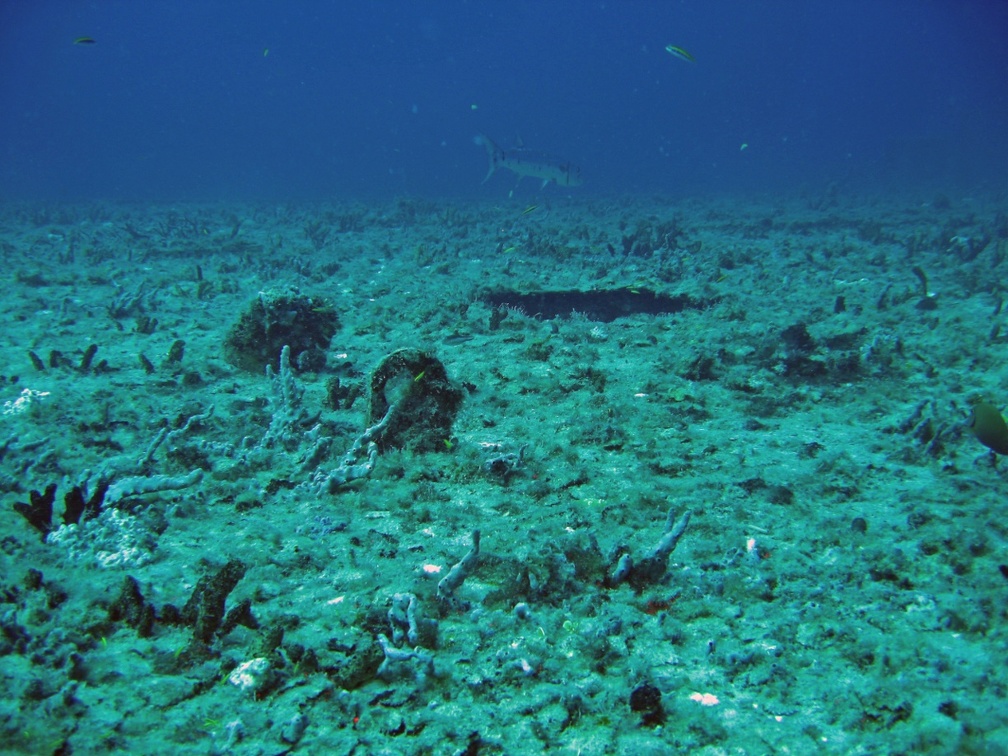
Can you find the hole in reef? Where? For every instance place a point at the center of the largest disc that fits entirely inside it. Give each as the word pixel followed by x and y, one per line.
pixel 604 305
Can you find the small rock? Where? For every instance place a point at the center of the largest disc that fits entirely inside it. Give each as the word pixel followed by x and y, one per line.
pixel 250 676
pixel 294 728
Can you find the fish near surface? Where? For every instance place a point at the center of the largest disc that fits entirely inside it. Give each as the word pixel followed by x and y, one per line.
pixel 523 162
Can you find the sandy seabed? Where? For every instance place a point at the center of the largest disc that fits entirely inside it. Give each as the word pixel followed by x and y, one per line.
pixel 840 587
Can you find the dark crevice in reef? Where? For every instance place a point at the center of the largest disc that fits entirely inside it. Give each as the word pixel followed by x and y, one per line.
pixel 603 305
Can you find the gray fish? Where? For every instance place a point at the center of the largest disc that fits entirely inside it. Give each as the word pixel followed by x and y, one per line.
pixel 523 162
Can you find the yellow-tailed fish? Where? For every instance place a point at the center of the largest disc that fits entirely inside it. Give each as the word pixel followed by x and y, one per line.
pixel 530 209
pixel 678 52
pixel 84 41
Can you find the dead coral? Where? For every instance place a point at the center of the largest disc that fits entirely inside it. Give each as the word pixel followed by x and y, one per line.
pixel 277 319
pixel 428 401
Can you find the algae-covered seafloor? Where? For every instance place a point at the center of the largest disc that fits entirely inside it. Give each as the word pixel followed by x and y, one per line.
pixel 649 477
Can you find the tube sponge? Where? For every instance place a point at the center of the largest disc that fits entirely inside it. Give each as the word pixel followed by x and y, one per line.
pixel 989 427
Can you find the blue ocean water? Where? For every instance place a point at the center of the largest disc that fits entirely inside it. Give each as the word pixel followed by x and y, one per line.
pixel 263 100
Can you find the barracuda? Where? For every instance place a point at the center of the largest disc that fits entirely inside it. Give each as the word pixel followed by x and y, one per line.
pixel 523 162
